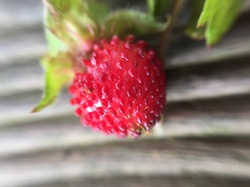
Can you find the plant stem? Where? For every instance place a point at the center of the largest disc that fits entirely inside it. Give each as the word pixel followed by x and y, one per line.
pixel 164 41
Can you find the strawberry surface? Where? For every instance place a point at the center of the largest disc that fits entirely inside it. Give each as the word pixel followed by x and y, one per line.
pixel 122 91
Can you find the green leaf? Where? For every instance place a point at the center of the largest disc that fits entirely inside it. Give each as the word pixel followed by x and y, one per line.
pixel 73 24
pixel 191 29
pixel 151 6
pixel 218 17
pixel 96 10
pixel 58 72
pixel 55 45
pixel 52 9
pixel 126 22
pixel 158 8
pixel 58 7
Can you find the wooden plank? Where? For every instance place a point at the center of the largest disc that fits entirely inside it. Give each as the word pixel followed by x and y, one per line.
pixel 148 181
pixel 223 79
pixel 208 118
pixel 22 46
pixel 15 16
pixel 186 52
pixel 218 157
pixel 204 139
pixel 235 44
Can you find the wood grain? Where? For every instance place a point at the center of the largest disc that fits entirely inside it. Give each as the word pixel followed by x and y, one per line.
pixel 223 157
pixel 204 139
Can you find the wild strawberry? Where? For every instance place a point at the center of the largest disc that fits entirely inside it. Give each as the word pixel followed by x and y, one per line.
pixel 123 89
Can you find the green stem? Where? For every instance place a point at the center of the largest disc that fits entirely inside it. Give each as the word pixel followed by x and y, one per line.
pixel 164 41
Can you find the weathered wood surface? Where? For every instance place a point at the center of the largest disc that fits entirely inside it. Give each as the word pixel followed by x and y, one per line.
pixel 205 139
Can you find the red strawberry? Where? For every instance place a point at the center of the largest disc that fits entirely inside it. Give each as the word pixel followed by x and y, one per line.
pixel 123 89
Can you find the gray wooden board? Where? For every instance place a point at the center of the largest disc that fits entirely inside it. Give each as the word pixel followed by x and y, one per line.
pixel 224 157
pixel 204 137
